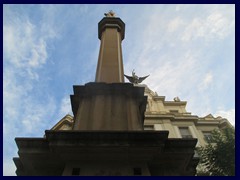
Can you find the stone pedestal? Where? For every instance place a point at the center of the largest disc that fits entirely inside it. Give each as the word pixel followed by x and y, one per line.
pixel 107 153
pixel 102 106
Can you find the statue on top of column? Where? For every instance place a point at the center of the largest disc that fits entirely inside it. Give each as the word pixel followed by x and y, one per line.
pixel 110 14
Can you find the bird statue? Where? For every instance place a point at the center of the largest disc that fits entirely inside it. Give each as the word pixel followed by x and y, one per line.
pixel 134 78
pixel 110 14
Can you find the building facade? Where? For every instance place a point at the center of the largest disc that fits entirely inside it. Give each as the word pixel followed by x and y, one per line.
pixel 171 116
pixel 117 128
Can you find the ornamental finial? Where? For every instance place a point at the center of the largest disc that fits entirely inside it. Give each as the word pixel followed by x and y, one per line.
pixel 110 14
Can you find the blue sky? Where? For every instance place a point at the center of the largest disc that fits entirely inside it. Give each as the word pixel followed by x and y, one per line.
pixel 188 50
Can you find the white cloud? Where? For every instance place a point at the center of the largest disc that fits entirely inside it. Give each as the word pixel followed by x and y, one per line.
pixel 228 114
pixel 34 119
pixel 215 26
pixel 23 46
pixel 23 115
pixel 206 82
pixel 181 69
pixel 177 8
pixel 174 24
pixel 193 30
pixel 13 92
pixel 24 53
pixel 219 24
pixel 170 76
pixel 65 107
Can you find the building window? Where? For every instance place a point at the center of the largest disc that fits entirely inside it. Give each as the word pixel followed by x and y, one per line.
pixel 148 127
pixel 184 131
pixel 137 171
pixel 207 136
pixel 173 111
pixel 76 171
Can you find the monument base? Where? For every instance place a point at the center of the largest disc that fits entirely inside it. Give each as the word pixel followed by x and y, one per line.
pixel 104 106
pixel 108 153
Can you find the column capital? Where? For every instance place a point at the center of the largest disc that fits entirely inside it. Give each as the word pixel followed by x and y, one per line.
pixel 111 22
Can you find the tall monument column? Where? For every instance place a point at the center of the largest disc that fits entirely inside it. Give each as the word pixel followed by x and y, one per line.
pixel 109 103
pixel 111 31
pixel 107 138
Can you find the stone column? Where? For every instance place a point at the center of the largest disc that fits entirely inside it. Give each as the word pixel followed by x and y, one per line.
pixel 110 64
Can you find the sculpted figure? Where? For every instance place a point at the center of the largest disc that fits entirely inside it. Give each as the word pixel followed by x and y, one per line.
pixel 134 78
pixel 110 14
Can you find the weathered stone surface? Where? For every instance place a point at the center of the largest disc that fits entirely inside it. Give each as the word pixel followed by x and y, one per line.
pixel 103 106
pixel 109 23
pixel 110 61
pixel 105 152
